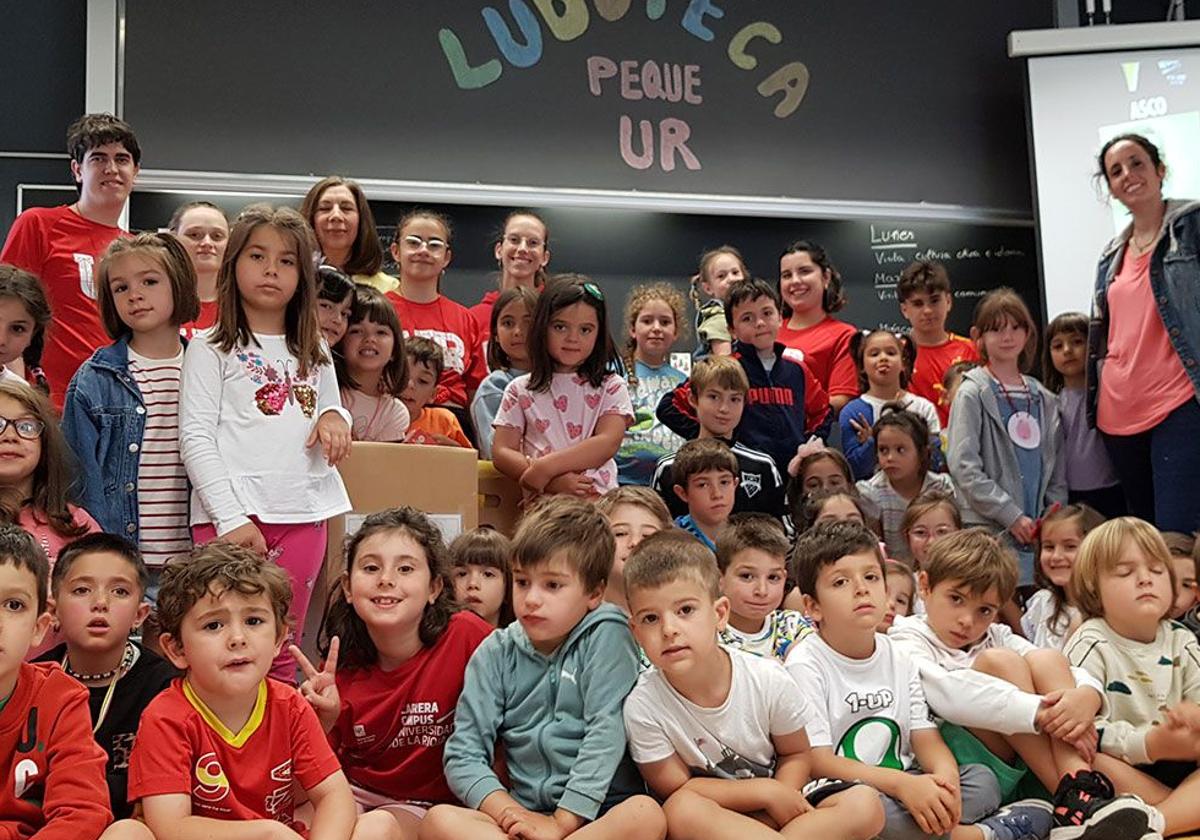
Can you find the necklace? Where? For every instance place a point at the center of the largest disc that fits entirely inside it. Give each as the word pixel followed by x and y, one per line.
pixel 1023 428
pixel 1143 247
pixel 126 660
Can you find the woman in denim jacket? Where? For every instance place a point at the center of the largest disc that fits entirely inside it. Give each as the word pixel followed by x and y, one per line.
pixel 1144 340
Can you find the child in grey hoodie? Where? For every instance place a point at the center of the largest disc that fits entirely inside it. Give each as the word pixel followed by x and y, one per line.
pixel 550 688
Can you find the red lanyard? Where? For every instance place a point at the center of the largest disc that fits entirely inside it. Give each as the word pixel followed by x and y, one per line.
pixel 1003 390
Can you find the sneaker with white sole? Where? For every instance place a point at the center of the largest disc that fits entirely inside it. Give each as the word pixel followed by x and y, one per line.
pixel 1087 808
pixel 1029 819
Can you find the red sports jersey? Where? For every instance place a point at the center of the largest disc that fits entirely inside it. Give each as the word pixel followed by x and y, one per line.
pixel 393 724
pixel 931 365
pixel 182 747
pixel 826 349
pixel 54 786
pixel 62 248
pixel 451 327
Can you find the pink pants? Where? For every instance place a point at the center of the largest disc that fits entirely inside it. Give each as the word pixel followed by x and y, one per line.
pixel 300 550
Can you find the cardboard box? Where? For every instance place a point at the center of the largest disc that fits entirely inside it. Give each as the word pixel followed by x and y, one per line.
pixel 499 499
pixel 442 481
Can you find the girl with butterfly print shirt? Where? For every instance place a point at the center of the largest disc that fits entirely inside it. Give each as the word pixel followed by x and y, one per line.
pixel 560 426
pixel 262 426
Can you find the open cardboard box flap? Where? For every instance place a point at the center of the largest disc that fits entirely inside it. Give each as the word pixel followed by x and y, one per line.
pixel 440 480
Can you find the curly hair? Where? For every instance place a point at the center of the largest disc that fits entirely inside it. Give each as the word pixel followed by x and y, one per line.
pixel 213 569
pixel 639 296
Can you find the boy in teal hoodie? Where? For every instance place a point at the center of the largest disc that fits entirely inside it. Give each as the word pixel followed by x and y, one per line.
pixel 550 687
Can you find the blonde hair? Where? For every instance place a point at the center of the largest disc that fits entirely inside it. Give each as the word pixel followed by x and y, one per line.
pixel 723 372
pixel 643 497
pixel 639 296
pixel 1100 552
pixel 975 558
pixel 701 275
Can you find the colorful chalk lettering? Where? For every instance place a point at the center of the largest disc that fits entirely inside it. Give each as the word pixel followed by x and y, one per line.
pixel 673 134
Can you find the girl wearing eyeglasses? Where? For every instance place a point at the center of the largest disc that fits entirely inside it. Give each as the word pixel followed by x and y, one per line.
pixel 560 426
pixel 36 473
pixel 422 250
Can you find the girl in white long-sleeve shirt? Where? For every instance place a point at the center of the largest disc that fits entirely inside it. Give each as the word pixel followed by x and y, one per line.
pixel 261 422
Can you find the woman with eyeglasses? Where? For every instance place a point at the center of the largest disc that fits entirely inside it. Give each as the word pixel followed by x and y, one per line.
pixel 36 471
pixel 336 209
pixel 522 252
pixel 422 250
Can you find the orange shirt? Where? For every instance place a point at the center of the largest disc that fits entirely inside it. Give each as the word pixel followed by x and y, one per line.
pixel 436 421
pixel 826 349
pixel 1142 379
pixel 933 360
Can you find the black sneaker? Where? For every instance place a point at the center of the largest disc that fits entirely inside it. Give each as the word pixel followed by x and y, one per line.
pixel 1087 808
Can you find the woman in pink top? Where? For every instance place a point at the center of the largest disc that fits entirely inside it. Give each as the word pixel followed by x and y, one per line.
pixel 811 289
pixel 1144 340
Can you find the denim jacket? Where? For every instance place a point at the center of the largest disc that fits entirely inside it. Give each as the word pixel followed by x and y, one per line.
pixel 104 418
pixel 1175 280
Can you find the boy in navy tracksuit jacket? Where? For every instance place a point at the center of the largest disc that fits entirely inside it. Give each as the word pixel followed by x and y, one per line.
pixel 785 404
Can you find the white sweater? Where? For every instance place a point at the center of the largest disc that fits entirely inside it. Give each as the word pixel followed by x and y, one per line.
pixel 958 694
pixel 245 417
pixel 1142 680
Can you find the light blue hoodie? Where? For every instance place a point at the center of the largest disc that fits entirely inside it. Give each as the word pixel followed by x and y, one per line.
pixel 558 716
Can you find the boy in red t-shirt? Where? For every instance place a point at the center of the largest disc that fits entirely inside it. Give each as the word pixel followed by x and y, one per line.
pixel 62 244
pixel 925 301
pixel 54 785
pixel 224 743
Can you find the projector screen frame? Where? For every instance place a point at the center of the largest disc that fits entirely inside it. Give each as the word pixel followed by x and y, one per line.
pixel 1090 40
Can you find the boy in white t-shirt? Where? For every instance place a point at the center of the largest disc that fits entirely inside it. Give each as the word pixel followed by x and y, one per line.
pixel 717 733
pixel 752 554
pixel 873 724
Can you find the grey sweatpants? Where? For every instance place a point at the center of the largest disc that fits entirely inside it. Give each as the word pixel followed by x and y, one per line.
pixel 980 797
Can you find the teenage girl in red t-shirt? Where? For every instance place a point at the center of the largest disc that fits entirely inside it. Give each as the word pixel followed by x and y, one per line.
pixel 811 289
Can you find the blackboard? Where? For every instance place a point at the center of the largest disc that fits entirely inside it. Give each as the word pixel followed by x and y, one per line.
pixel 622 248
pixel 42 65
pixel 904 102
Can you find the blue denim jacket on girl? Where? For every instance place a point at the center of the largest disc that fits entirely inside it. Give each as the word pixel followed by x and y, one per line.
pixel 104 418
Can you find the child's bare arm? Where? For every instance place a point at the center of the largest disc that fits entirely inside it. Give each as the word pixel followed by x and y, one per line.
pixel 745 796
pixel 586 455
pixel 506 452
pixel 793 759
pixel 169 817
pixel 827 763
pixel 334 812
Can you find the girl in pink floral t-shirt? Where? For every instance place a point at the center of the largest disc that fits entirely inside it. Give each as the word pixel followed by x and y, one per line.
pixel 559 426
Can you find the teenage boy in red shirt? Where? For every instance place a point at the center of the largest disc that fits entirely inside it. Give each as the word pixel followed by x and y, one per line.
pixel 925 301
pixel 62 245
